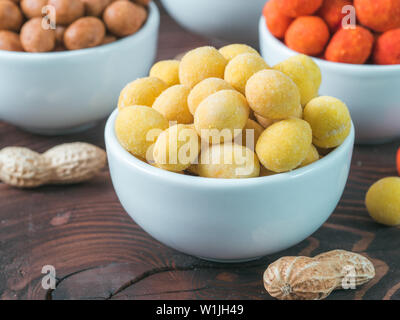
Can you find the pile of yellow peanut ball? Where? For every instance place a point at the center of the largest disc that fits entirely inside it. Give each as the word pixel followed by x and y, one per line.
pixel 227 114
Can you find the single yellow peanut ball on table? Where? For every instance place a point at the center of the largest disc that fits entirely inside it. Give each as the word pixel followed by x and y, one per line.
pixel 137 128
pixel 172 104
pixel 167 71
pixel 221 116
pixel 204 89
pixel 177 148
pixel 231 51
pixel 272 95
pixel 305 73
pixel 311 157
pixel 143 92
pixel 383 201
pixel 284 145
pixel 200 64
pixel 330 121
pixel 251 133
pixel 228 161
pixel 240 69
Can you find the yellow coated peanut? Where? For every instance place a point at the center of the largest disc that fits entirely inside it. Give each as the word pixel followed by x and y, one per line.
pixel 330 121
pixel 383 201
pixel 240 69
pixel 138 127
pixel 200 64
pixel 167 71
pixel 272 94
pixel 284 145
pixel 204 89
pixel 172 104
pixel 311 157
pixel 228 161
pixel 305 73
pixel 231 51
pixel 141 92
pixel 176 148
pixel 221 116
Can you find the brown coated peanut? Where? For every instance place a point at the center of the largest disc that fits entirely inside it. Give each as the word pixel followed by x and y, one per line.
pixel 33 8
pixel 10 41
pixel 34 38
pixel 67 11
pixel 86 32
pixel 10 16
pixel 95 8
pixel 60 30
pixel 124 18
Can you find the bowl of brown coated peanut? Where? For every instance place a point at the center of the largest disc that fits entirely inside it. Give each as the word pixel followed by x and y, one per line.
pixel 71 24
pixel 63 62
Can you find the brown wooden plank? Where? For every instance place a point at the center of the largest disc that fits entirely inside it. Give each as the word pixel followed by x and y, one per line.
pixel 100 253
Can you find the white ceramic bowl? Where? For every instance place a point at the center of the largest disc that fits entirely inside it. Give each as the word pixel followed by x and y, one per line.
pixel 231 20
pixel 371 92
pixel 228 220
pixel 62 92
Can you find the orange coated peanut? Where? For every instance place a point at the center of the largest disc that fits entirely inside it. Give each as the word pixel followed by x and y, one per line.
pixel 350 46
pixel 297 8
pixel 277 22
pixel 382 15
pixel 308 35
pixel 387 48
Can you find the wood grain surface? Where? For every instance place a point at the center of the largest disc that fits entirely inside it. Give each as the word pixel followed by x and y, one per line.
pixel 100 253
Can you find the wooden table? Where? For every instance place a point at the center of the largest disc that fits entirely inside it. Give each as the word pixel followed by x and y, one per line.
pixel 100 253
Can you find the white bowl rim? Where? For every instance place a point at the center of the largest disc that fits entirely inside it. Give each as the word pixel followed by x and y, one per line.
pixel 332 66
pixel 177 178
pixel 153 18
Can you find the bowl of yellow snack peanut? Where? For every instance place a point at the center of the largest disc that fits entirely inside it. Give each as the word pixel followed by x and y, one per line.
pixel 47 89
pixel 230 162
